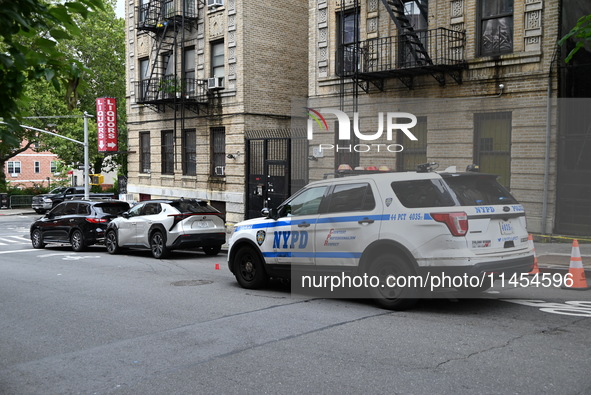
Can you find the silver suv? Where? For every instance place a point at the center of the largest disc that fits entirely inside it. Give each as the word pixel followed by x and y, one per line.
pixel 164 225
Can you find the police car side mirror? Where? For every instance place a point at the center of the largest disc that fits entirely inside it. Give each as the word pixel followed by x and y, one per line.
pixel 270 213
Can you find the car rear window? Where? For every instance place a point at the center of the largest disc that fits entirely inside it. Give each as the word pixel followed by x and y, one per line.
pixel 193 206
pixel 423 193
pixel 476 190
pixel 459 190
pixel 113 209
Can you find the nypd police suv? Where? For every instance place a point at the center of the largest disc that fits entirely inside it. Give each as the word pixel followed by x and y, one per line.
pixel 411 224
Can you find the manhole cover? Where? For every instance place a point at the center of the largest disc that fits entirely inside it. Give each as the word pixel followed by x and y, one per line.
pixel 191 283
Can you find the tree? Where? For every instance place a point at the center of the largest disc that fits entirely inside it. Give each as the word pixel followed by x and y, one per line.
pixel 581 33
pixel 30 31
pixel 99 50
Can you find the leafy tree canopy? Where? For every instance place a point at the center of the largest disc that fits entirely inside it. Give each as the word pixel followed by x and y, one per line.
pixel 580 33
pixel 30 31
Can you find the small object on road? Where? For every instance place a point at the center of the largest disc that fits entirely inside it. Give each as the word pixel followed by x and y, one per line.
pixel 576 269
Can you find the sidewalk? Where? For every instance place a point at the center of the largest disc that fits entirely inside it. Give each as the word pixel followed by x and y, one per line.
pixel 18 211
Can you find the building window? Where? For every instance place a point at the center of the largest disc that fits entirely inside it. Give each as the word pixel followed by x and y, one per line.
pixel 189 71
pixel 53 166
pixel 492 144
pixel 189 152
pixel 416 11
pixel 217 59
pixel 143 11
pixel 496 27
pixel 415 151
pixel 347 38
pixel 167 152
pixel 218 151
pixel 144 79
pixel 144 152
pixel 14 167
pixel 37 167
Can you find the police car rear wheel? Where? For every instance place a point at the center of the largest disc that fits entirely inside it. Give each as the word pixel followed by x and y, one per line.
pixel 387 295
pixel 248 269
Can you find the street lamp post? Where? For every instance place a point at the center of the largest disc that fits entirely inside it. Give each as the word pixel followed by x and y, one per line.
pixel 86 180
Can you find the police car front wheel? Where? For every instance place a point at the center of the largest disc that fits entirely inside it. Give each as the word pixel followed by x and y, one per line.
pixel 395 291
pixel 248 268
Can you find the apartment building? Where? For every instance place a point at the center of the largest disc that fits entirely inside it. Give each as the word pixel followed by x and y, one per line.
pixel 481 77
pixel 203 78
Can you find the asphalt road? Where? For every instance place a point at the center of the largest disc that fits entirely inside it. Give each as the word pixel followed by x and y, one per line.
pixel 92 323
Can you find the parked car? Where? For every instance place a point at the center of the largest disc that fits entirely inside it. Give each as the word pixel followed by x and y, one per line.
pixel 390 225
pixel 79 223
pixel 43 203
pixel 164 225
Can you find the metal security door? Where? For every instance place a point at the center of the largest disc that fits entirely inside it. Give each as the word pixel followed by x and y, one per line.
pixel 277 166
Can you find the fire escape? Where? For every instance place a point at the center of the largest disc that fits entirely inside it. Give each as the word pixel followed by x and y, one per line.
pixel 162 83
pixel 412 52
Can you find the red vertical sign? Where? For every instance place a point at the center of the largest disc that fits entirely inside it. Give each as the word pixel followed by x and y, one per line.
pixel 106 118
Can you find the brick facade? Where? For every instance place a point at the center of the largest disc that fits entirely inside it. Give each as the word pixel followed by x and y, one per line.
pixel 29 176
pixel 265 58
pixel 452 108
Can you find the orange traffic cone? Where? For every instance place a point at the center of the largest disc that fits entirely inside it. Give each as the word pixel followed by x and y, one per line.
pixel 536 268
pixel 576 270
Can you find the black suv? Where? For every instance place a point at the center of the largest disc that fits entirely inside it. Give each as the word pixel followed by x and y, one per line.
pixel 79 223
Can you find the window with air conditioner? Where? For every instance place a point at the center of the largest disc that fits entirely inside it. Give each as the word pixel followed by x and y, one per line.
pixel 218 71
pixel 218 151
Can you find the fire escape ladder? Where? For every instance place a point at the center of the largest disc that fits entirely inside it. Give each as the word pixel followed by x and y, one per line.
pixel 160 46
pixel 407 33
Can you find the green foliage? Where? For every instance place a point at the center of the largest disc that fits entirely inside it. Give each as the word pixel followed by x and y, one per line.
pixel 98 51
pixel 17 189
pixel 580 33
pixel 30 31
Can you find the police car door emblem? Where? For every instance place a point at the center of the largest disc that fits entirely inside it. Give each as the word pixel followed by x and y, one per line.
pixel 261 237
pixel 388 202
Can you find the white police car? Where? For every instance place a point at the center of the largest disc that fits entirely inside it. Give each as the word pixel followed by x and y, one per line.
pixel 408 224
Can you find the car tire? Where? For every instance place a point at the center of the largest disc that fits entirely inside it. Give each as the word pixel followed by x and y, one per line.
pixel 212 250
pixel 393 298
pixel 37 239
pixel 77 241
pixel 111 242
pixel 40 211
pixel 158 245
pixel 249 269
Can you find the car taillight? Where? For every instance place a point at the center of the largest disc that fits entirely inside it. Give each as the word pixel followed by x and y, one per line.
pixel 97 220
pixel 457 223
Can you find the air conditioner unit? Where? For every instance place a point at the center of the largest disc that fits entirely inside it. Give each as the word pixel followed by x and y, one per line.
pixel 215 83
pixel 220 170
pixel 215 3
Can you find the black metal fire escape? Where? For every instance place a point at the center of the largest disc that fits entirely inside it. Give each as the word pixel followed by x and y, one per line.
pixel 412 52
pixel 167 21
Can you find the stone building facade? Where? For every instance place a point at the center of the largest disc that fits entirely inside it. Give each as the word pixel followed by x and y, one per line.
pixel 201 74
pixel 479 75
